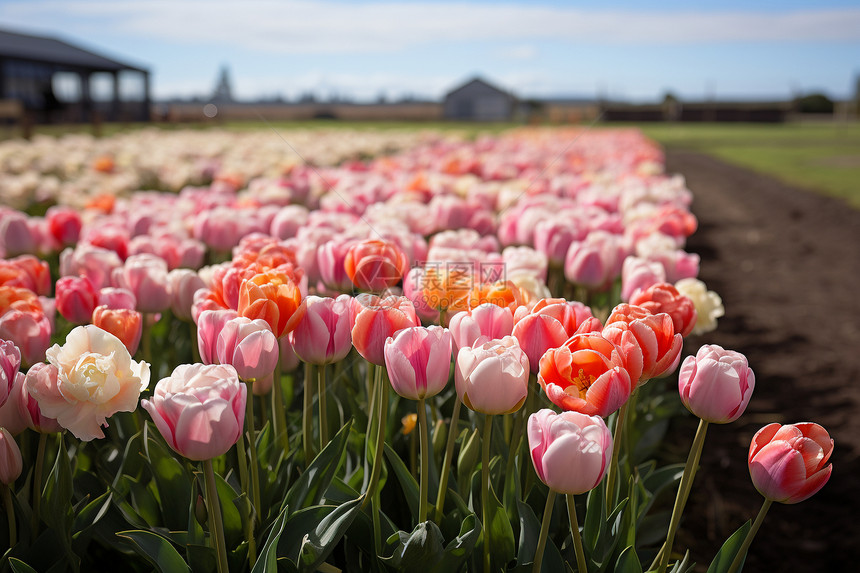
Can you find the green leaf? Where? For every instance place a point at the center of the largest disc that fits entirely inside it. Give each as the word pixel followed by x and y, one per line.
pixel 19 566
pixel 172 481
pixel 312 484
pixel 462 546
pixel 724 557
pixel 529 533
pixel 267 561
pixel 628 561
pixel 91 513
pixel 503 546
pixel 684 565
pixel 230 516
pixel 318 544
pixel 595 517
pixel 155 549
pixel 419 550
pixel 407 482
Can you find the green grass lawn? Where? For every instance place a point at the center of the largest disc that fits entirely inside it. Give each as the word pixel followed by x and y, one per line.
pixel 821 157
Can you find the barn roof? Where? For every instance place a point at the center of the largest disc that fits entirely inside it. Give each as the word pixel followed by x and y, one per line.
pixel 56 51
pixel 478 81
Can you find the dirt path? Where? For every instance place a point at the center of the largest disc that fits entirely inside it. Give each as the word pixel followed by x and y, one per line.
pixel 787 265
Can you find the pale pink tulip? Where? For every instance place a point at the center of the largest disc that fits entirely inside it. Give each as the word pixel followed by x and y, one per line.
pixel 249 346
pixel 492 377
pixel 11 463
pixel 570 451
pixel 199 409
pixel 716 384
pixel 146 276
pixel 489 320
pixel 41 380
pixel 210 323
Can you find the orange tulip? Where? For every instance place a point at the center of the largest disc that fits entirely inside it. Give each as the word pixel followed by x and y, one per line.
pixel 500 293
pixel 271 296
pixel 374 265
pixel 586 375
pixel 447 289
pixel 125 324
pixel 659 345
pixel 18 298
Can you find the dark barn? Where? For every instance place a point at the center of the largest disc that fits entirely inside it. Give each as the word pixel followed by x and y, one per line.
pixel 32 68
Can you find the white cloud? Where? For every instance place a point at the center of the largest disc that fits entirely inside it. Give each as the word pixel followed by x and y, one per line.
pixel 522 52
pixel 302 26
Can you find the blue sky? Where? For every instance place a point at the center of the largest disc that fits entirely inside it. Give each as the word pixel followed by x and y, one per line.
pixel 626 50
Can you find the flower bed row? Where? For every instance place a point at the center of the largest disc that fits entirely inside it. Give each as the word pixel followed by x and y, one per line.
pixel 316 334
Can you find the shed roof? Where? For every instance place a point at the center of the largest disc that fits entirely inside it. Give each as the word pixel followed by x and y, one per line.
pixel 477 81
pixel 56 51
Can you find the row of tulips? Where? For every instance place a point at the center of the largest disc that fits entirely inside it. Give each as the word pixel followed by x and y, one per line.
pixel 399 274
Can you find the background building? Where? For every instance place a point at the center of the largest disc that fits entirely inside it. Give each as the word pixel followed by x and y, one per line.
pixel 53 80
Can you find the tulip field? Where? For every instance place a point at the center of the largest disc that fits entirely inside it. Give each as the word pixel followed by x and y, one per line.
pixel 366 351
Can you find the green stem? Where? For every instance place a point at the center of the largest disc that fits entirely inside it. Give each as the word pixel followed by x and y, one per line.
pixel 279 411
pixel 544 531
pixel 372 416
pixel 308 414
pixel 446 463
pixel 252 447
pixel 321 390
pixel 243 480
pixel 577 539
pixel 485 493
pixel 613 464
pixel 10 515
pixel 375 491
pixel 683 492
pixel 382 414
pixel 736 563
pixel 37 482
pixel 425 461
pixel 216 526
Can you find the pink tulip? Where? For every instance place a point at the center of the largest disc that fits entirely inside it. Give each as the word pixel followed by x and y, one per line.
pixel 249 346
pixel 570 451
pixel 95 263
pixel 788 463
pixel 716 384
pixel 330 258
pixel 288 220
pixel 117 298
pixel 76 299
pixel 677 263
pixel 596 261
pixel 536 334
pixel 553 237
pixel 210 323
pixel 492 377
pixel 11 463
pixel 16 238
pixel 489 320
pixel 10 362
pixel 199 409
pixel 64 224
pixel 182 284
pixel 321 331
pixel 110 236
pixel 573 315
pixel 287 355
pixel 637 273
pixel 124 323
pixel 41 379
pixel 146 276
pixel 31 333
pixel 10 416
pixel 418 361
pixel 374 319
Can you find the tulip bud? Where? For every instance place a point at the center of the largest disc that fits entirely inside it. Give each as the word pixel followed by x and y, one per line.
pixel 716 384
pixel 209 326
pixel 374 265
pixel 249 346
pixel 182 284
pixel 11 463
pixel 76 299
pixel 788 463
pixel 10 362
pixel 146 276
pixel 418 360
